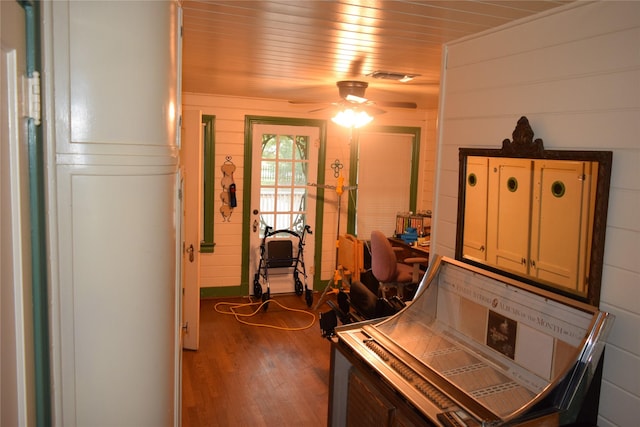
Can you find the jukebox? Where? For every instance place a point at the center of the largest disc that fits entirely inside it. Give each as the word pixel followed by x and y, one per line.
pixel 494 337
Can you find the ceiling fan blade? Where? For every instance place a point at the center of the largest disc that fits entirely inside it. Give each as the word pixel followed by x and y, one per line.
pixel 373 110
pixel 299 102
pixel 328 106
pixel 319 109
pixel 337 106
pixel 397 104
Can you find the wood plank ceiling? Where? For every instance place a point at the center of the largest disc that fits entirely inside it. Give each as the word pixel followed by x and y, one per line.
pixel 298 50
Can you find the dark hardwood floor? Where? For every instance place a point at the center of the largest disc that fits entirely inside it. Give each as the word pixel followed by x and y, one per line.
pixel 254 376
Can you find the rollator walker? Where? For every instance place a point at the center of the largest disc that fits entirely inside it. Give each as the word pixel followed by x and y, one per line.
pixel 280 253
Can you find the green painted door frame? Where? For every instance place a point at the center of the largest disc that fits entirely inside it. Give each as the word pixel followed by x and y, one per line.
pixel 250 121
pixel 37 219
pixel 353 167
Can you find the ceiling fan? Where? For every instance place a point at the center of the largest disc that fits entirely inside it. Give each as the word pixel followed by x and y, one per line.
pixel 352 95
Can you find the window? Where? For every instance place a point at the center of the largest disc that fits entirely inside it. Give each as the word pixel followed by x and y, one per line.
pixel 284 169
pixel 384 164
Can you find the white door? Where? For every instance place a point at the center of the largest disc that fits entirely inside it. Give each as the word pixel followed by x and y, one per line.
pixel 190 157
pixel 179 312
pixel 15 296
pixel 285 160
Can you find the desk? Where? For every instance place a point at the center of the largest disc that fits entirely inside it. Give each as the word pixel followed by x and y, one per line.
pixel 409 251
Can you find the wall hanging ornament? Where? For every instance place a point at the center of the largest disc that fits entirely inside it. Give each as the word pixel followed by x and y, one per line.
pixel 228 195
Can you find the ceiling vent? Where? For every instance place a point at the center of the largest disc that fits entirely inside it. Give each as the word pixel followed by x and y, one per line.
pixel 392 75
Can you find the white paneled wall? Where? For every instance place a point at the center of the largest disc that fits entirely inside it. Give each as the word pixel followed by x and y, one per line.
pixel 111 89
pixel 428 162
pixel 576 75
pixel 223 267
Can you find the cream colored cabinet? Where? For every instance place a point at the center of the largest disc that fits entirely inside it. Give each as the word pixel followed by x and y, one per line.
pixel 475 220
pixel 530 201
pixel 564 194
pixel 509 213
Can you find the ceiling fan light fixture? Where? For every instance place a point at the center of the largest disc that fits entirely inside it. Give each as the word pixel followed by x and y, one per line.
pixel 352 118
pixel 351 87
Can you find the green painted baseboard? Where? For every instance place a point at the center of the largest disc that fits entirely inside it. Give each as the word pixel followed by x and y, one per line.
pixel 223 291
pixel 238 291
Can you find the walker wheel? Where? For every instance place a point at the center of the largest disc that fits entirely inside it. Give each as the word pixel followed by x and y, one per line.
pixel 308 296
pixel 257 288
pixel 265 300
pixel 298 287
